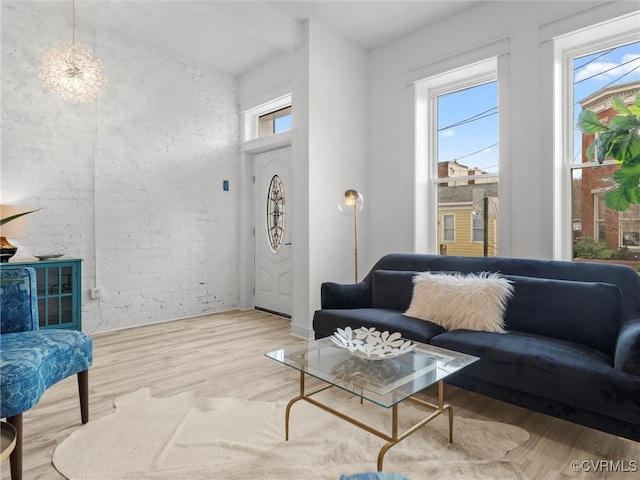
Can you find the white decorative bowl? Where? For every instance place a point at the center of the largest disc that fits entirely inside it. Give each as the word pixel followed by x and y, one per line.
pixel 371 344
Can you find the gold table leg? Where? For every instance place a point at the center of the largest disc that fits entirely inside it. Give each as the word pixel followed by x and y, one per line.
pixel 392 439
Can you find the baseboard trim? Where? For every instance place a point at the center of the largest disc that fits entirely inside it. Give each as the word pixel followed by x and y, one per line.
pixel 273 312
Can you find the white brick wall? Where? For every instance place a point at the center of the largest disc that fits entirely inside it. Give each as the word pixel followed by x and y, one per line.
pixel 133 183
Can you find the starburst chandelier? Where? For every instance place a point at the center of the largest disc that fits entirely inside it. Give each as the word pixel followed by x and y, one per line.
pixel 69 70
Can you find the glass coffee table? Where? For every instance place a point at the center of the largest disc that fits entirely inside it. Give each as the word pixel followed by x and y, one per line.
pixel 7 440
pixel 386 382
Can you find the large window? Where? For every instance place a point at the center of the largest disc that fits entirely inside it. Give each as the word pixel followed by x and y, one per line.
pixel 463 158
pixel 597 68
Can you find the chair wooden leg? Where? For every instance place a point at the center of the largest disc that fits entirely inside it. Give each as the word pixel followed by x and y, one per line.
pixel 15 459
pixel 83 390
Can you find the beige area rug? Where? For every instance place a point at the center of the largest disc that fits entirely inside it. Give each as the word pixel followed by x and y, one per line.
pixel 188 437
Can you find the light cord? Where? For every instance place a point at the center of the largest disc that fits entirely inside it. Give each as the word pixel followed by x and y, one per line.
pixel 73 35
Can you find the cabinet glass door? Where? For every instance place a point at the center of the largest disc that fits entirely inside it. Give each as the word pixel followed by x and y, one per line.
pixel 55 296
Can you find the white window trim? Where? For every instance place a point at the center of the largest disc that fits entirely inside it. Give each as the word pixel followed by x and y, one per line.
pixel 426 146
pixel 264 144
pixel 565 49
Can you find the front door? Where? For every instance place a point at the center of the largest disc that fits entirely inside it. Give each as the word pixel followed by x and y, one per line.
pixel 272 223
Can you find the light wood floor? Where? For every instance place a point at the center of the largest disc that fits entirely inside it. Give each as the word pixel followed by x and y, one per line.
pixel 202 354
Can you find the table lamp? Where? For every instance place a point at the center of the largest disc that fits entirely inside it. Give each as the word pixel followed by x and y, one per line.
pixel 14 225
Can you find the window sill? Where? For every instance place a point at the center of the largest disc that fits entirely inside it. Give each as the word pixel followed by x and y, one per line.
pixel 264 144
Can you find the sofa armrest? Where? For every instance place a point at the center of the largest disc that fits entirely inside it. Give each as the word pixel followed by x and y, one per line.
pixel 627 355
pixel 350 295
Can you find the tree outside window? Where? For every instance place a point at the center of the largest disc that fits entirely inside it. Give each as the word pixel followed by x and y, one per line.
pixel 604 81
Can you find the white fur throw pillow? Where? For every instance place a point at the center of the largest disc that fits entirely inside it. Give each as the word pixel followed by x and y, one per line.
pixel 456 301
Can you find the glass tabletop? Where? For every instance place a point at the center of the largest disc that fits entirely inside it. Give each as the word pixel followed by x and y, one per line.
pixel 385 382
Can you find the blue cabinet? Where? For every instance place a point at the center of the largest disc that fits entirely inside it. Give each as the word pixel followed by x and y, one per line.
pixel 59 292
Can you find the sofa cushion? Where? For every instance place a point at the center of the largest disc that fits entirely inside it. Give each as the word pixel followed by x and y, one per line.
pixel 584 312
pixel 455 301
pixel 392 289
pixel 345 295
pixel 550 368
pixel 326 322
pixel 33 361
pixel 624 277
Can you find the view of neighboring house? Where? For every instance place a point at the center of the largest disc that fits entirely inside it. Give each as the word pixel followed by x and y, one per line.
pixel 461 219
pixel 595 220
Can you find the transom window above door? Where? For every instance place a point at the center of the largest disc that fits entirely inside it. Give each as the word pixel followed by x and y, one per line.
pixel 270 118
pixel 274 122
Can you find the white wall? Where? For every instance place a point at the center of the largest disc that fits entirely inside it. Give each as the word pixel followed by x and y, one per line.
pixel 528 178
pixel 327 76
pixel 270 80
pixel 132 183
pixel 337 134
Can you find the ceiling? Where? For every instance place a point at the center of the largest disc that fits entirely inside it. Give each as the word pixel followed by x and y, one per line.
pixel 236 36
pixel 372 23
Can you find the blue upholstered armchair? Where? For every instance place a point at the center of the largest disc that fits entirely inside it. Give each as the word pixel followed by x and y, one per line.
pixel 32 360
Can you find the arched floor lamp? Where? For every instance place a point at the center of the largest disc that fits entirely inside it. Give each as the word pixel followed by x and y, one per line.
pixel 350 203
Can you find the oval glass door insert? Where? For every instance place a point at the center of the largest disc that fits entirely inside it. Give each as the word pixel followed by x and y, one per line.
pixel 275 213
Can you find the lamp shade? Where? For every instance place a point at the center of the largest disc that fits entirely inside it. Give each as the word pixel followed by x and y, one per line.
pixel 16 228
pixel 350 202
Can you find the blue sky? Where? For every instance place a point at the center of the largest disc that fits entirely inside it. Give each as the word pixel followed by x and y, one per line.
pixel 472 143
pixel 282 124
pixel 468 123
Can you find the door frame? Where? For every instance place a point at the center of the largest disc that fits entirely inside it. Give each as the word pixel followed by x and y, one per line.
pixel 248 151
pixel 278 302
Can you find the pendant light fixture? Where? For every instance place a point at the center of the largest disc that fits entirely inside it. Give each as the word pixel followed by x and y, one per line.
pixel 69 70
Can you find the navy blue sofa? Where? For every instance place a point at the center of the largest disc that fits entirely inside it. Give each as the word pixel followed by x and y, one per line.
pixel 572 346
